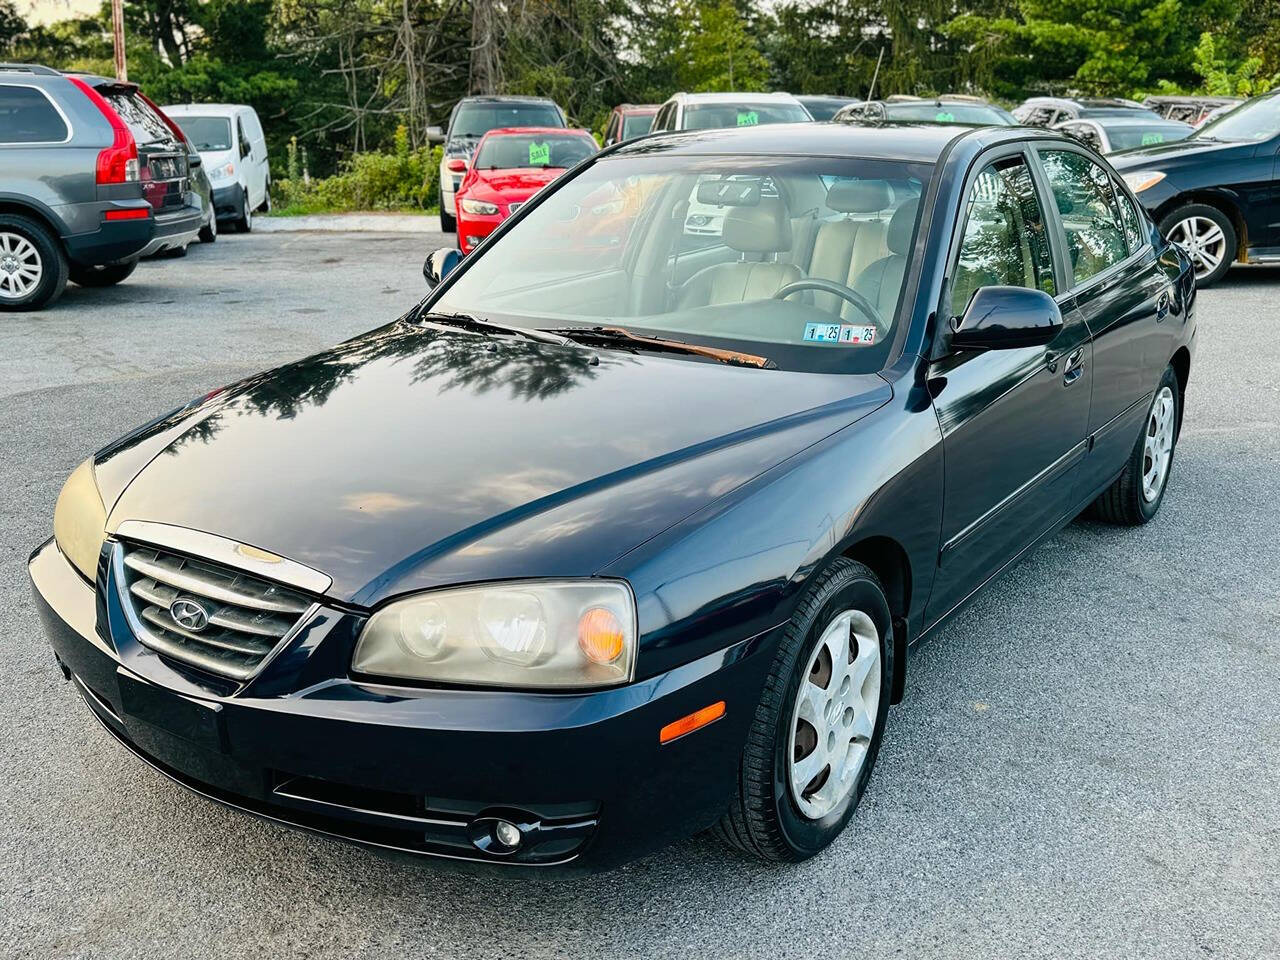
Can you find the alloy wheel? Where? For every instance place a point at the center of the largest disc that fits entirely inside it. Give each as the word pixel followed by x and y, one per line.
pixel 21 267
pixel 1157 445
pixel 1204 242
pixel 835 715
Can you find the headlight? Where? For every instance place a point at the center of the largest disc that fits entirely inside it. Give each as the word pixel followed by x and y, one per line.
pixel 480 207
pixel 80 520
pixel 1141 180
pixel 225 172
pixel 535 633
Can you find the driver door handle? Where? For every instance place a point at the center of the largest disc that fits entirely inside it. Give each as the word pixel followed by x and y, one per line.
pixel 1074 367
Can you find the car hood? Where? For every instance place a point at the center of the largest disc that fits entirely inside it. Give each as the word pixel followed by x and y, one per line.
pixel 1164 155
pixel 515 184
pixel 417 456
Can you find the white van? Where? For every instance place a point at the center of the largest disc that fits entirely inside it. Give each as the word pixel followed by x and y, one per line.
pixel 231 144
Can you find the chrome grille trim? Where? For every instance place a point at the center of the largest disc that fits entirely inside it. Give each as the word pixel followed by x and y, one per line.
pixel 249 618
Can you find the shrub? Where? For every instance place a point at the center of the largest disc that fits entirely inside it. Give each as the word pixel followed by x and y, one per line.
pixel 403 179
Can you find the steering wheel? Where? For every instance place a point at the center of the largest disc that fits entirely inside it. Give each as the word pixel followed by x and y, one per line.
pixel 830 286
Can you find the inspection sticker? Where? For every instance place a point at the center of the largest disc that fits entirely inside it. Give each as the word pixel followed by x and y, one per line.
pixel 853 335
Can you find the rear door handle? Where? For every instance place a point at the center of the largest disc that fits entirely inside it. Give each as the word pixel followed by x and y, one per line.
pixel 1074 367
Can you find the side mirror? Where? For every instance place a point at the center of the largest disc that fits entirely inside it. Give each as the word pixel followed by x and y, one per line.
pixel 1002 318
pixel 435 135
pixel 437 265
pixel 194 160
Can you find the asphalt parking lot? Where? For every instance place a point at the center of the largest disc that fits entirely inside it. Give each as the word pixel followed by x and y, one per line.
pixel 1084 766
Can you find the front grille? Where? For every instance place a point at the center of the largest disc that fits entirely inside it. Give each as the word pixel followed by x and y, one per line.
pixel 512 208
pixel 246 617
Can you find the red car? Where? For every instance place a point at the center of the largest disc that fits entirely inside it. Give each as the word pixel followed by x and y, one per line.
pixel 509 166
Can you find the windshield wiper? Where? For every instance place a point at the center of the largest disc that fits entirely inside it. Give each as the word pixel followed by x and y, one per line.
pixel 464 321
pixel 625 339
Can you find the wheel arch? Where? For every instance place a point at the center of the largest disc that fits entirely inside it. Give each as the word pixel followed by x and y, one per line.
pixel 1181 363
pixel 888 559
pixel 1220 201
pixel 31 211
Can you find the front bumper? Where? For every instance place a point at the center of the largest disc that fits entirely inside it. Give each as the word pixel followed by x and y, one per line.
pixel 473 229
pixel 415 770
pixel 228 201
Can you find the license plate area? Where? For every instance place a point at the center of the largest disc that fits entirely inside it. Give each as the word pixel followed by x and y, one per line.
pixel 179 716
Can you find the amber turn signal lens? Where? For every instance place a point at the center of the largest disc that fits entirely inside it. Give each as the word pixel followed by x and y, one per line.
pixel 600 635
pixel 694 721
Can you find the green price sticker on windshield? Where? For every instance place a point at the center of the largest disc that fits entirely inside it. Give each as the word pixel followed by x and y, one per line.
pixel 945 117
pixel 1150 138
pixel 539 154
pixel 748 119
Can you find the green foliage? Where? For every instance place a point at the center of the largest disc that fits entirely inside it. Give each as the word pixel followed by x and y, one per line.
pixel 1224 78
pixel 403 178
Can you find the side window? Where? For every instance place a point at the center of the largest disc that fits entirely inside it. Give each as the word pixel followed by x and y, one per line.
pixel 1085 133
pixel 1005 241
pixel 27 116
pixel 664 117
pixel 1129 217
pixel 1082 190
pixel 611 132
pixel 245 145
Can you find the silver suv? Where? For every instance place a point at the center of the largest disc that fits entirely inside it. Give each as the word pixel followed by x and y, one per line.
pixel 92 177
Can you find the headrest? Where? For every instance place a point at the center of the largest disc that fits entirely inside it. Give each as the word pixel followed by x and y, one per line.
pixel 859 196
pixel 762 229
pixel 901 225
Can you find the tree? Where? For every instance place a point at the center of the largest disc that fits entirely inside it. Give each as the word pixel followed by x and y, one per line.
pixel 12 25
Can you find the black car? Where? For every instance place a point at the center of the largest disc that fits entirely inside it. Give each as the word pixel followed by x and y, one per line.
pixel 1216 193
pixel 962 110
pixel 623 532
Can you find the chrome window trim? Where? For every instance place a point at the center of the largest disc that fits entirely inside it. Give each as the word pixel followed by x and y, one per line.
pixel 224 551
pixel 66 121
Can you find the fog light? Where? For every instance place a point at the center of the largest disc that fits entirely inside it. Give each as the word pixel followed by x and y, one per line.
pixel 507 834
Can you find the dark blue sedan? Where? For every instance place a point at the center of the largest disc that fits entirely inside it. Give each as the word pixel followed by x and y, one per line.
pixel 627 531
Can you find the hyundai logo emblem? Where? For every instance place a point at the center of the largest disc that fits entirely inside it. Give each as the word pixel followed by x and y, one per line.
pixel 189 614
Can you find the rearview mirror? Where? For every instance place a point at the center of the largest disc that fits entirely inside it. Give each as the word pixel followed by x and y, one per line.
pixel 435 135
pixel 194 160
pixel 437 265
pixel 1001 318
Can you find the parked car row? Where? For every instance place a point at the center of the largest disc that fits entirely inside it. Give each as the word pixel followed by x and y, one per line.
pixel 95 176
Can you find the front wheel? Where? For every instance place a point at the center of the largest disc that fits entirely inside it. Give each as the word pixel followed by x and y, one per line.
pixel 244 222
pixel 1208 236
pixel 818 726
pixel 1136 495
pixel 448 222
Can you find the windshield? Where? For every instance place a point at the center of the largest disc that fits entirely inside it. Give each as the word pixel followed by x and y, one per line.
pixel 1256 119
pixel 798 260
pixel 710 116
pixel 822 108
pixel 474 120
pixel 637 124
pixel 206 133
pixel 510 151
pixel 1123 136
pixel 971 114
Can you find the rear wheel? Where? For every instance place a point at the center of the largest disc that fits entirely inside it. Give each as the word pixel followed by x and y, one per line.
pixel 103 276
pixel 1137 493
pixel 265 206
pixel 818 726
pixel 1208 236
pixel 33 268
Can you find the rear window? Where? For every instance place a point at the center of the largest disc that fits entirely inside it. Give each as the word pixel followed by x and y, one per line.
pixel 27 116
pixel 477 119
pixel 143 122
pixel 962 113
pixel 207 133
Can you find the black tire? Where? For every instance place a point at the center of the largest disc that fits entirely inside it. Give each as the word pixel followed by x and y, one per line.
pixel 209 232
pixel 244 222
pixel 1124 502
pixel 1169 224
pixel 763 819
pixel 448 222
pixel 43 251
pixel 265 205
pixel 107 276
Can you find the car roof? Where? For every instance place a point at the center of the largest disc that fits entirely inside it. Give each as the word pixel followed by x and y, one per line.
pixel 638 107
pixel 912 142
pixel 211 109
pixel 555 131
pixel 733 97
pixel 1117 121
pixel 507 98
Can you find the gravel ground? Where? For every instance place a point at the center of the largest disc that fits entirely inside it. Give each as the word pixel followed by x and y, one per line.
pixel 1084 765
